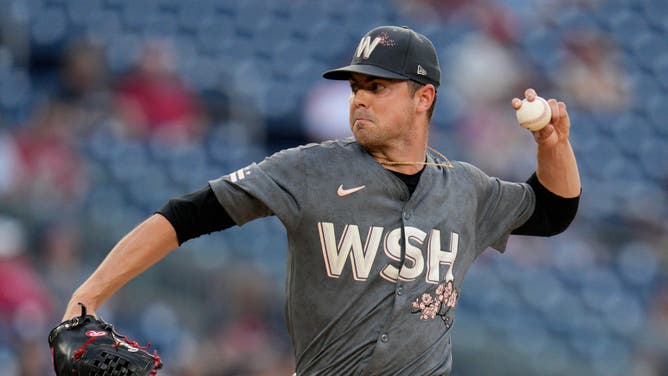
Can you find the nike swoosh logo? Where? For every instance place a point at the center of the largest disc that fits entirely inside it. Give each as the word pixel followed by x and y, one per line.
pixel 345 192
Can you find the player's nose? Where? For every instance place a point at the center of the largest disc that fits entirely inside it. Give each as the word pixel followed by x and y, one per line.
pixel 360 98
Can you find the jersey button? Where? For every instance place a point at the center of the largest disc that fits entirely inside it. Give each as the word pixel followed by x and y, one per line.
pixel 384 337
pixel 407 215
pixel 399 290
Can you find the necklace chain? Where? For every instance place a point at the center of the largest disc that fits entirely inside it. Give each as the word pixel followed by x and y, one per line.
pixel 447 163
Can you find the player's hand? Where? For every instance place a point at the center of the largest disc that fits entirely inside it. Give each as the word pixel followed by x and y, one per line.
pixel 557 130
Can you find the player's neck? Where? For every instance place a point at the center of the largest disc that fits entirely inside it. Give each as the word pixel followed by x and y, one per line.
pixel 406 153
pixel 405 169
pixel 407 161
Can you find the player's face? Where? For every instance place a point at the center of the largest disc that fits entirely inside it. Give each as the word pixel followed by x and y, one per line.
pixel 381 110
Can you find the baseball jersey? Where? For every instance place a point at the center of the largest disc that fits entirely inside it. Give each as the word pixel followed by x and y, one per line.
pixel 373 273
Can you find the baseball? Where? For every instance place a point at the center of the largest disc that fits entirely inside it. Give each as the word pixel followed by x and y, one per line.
pixel 534 115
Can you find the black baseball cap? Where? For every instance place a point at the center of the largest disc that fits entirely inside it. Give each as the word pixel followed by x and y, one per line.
pixel 393 52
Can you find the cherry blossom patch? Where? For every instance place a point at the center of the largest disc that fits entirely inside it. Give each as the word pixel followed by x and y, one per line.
pixel 436 303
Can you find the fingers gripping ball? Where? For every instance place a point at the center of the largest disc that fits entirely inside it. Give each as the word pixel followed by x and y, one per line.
pixel 534 115
pixel 88 346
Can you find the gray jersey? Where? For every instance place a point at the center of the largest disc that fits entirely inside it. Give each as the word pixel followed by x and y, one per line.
pixel 373 273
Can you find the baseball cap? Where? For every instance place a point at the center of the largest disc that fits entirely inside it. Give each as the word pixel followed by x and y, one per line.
pixel 393 52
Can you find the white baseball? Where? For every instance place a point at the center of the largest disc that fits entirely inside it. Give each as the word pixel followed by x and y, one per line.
pixel 534 115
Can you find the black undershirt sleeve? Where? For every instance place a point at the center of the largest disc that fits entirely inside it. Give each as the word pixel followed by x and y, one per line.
pixel 200 213
pixel 196 214
pixel 552 214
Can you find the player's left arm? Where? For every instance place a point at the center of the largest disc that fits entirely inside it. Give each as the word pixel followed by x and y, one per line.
pixel 556 183
pixel 557 168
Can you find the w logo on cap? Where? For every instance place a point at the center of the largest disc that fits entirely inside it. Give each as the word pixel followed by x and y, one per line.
pixel 366 47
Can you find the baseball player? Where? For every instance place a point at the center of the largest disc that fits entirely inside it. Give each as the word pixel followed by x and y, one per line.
pixel 381 228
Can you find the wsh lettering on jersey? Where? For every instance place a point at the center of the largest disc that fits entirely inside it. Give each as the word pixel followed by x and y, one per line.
pixel 423 252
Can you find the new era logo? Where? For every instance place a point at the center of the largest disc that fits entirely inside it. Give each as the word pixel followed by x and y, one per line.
pixel 421 71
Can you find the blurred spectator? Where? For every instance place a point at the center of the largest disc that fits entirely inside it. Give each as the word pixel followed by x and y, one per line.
pixel 326 111
pixel 8 163
pixel 153 101
pixel 61 260
pixel 435 10
pixel 51 175
pixel 248 343
pixel 488 72
pixel 652 352
pixel 14 31
pixel 22 290
pixel 33 361
pixel 591 74
pixel 83 96
pixel 25 304
pixel 44 168
pixel 486 65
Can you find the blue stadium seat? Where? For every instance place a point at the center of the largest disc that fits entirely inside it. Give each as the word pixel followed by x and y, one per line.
pixel 162 25
pixel 103 25
pixel 48 25
pixel 192 15
pixel 656 12
pixel 644 47
pixel 123 51
pixel 652 155
pixel 135 13
pixel 15 88
pixel 629 131
pixel 79 11
pixel 625 25
pixel 656 108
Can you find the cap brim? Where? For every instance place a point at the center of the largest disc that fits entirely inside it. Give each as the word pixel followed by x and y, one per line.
pixel 343 73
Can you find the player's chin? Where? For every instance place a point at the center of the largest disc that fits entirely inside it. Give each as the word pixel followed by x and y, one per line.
pixel 358 129
pixel 361 126
pixel 366 138
pixel 361 134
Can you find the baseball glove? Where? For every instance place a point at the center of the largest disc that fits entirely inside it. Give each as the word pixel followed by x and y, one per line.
pixel 88 346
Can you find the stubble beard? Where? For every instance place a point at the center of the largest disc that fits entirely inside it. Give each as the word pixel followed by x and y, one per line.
pixel 376 137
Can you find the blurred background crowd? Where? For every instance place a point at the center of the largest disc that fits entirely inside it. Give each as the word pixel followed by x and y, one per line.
pixel 110 107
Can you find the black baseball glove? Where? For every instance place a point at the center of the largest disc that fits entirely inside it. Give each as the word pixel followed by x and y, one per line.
pixel 88 346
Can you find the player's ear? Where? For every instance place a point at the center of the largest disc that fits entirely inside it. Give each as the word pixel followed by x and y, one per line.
pixel 426 95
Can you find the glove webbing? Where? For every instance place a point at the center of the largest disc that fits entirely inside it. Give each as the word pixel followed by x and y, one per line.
pixel 156 358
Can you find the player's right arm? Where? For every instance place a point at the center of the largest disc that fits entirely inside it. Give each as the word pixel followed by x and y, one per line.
pixel 142 247
pixel 180 219
pixel 189 216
